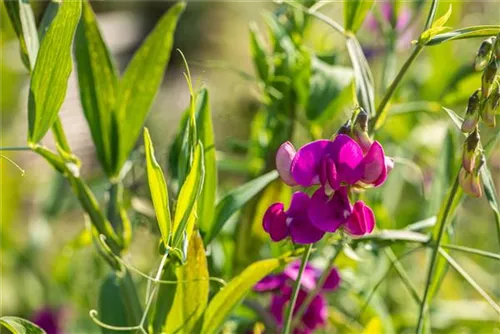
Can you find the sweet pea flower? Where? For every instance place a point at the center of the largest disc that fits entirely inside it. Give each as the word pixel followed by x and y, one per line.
pixel 281 287
pixel 361 221
pixel 284 157
pixel 49 319
pixel 293 222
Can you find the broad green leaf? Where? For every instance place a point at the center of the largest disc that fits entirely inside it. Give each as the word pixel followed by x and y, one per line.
pixel 355 12
pixel 52 69
pixel 23 21
pixel 141 81
pixel 111 305
pixel 464 33
pixel 20 326
pixel 97 79
pixel 491 195
pixel 235 200
pixel 48 16
pixel 191 295
pixel 164 299
pixel 158 188
pixel 258 51
pixel 188 195
pixel 206 201
pixel 327 85
pixel 224 302
pixel 362 74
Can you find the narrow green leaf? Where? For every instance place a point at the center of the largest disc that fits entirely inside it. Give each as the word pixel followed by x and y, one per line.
pixel 141 82
pixel 48 16
pixel 206 202
pixel 432 14
pixel 355 12
pixel 19 325
pixel 23 21
pixel 440 22
pixel 165 299
pixel 188 195
pixel 158 188
pixel 464 33
pixel 52 69
pixel 235 200
pixel 362 74
pixel 258 51
pixel 457 120
pixel 191 296
pixel 491 195
pixel 224 302
pixel 98 83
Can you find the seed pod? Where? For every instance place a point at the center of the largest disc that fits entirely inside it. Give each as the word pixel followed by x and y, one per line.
pixel 472 112
pixel 488 78
pixel 490 107
pixel 484 53
pixel 470 151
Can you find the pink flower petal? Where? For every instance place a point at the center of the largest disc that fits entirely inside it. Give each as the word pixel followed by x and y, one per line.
pixel 332 281
pixel 305 165
pixel 347 155
pixel 373 166
pixel 274 222
pixel 284 158
pixel 329 214
pixel 270 283
pixel 361 221
pixel 298 204
pixel 302 232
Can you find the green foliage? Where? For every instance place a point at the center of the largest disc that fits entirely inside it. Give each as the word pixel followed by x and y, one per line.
pixel 112 308
pixel 20 326
pixel 464 33
pixel 158 188
pixel 355 12
pixel 51 72
pixel 165 299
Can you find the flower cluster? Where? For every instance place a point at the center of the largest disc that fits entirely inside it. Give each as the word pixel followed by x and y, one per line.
pixel 482 104
pixel 281 285
pixel 337 166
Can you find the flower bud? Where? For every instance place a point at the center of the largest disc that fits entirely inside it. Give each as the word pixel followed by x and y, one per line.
pixel 490 107
pixel 360 131
pixel 470 151
pixel 284 157
pixel 472 112
pixel 344 129
pixel 488 78
pixel 484 53
pixel 361 221
pixel 470 183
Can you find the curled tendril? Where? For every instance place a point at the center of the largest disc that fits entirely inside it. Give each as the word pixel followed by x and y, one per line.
pixel 13 163
pixel 93 315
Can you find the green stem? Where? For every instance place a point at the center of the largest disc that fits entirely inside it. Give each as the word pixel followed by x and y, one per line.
pixel 324 275
pixel 113 210
pixel 15 148
pixel 435 253
pixel 395 83
pixel 296 287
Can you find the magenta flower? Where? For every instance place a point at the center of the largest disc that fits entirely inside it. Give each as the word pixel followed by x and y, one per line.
pixel 361 221
pixel 293 223
pixel 339 162
pixel 284 158
pixel 49 319
pixel 281 286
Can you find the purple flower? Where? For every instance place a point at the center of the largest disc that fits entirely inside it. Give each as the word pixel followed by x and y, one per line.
pixel 284 158
pixel 398 22
pixel 293 223
pixel 361 221
pixel 339 162
pixel 281 286
pixel 329 213
pixel 49 319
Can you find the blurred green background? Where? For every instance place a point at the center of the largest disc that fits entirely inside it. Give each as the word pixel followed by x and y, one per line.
pixel 47 261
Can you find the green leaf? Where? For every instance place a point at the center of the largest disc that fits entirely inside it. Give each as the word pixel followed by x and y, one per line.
pixel 191 295
pixel 141 82
pixel 19 325
pixel 112 310
pixel 48 16
pixel 355 12
pixel 188 195
pixel 224 302
pixel 258 51
pixel 206 201
pixel 482 31
pixel 23 21
pixel 436 28
pixel 490 192
pixel 165 299
pixel 362 74
pixel 158 188
pixel 440 22
pixel 457 120
pixel 327 85
pixel 98 83
pixel 52 69
pixel 235 200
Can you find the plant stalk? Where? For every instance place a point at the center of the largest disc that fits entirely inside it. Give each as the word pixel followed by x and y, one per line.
pixel 435 253
pixel 295 292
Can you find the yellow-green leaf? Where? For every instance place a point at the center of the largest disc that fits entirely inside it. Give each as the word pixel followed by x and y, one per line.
pixel 443 19
pixel 355 12
pixel 20 326
pixel 51 72
pixel 158 188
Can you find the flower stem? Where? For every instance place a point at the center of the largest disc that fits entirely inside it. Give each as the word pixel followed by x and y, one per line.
pixel 296 287
pixel 435 253
pixel 15 148
pixel 381 110
pixel 324 275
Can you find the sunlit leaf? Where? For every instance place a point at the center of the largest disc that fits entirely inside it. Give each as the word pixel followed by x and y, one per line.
pixel 464 33
pixel 164 299
pixel 20 326
pixel 112 309
pixel 48 16
pixel 141 81
pixel 23 21
pixel 235 200
pixel 98 82
pixel 355 12
pixel 191 295
pixel 51 72
pixel 158 188
pixel 436 28
pixel 224 302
